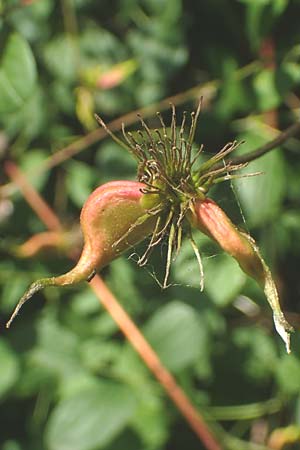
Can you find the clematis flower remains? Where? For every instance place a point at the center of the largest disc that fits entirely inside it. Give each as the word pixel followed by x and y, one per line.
pixel 167 201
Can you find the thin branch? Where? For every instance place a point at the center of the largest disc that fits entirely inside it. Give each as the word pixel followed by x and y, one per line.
pixel 260 151
pixel 151 359
pixel 39 206
pixel 129 329
pixel 207 90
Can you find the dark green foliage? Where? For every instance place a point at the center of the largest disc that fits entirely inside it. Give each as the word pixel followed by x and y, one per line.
pixel 68 378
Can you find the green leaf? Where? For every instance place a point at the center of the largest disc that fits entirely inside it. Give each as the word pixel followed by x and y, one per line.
pixel 11 445
pixel 254 19
pixel 266 90
pixel 9 371
pixel 185 267
pixel 122 274
pixel 12 291
pixel 261 16
pixel 288 374
pixel 85 303
pixel 278 6
pixel 232 97
pixel 57 349
pixel 60 58
pixel 261 353
pixel 178 334
pixel 97 353
pixel 149 421
pixel 31 161
pixel 17 74
pixel 80 182
pixel 261 197
pixel 90 419
pixel 115 163
pixel 223 279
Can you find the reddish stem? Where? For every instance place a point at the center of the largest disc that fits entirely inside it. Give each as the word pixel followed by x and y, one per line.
pixel 39 206
pixel 267 52
pixel 146 352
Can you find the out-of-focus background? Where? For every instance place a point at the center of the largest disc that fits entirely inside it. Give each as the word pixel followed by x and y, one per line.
pixel 68 378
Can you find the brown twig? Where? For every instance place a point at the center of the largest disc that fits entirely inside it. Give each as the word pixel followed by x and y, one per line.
pixel 39 206
pixel 128 119
pixel 151 359
pixel 126 325
pixel 260 151
pixel 267 54
pixel 207 90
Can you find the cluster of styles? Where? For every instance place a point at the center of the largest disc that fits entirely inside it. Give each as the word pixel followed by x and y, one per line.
pixel 168 201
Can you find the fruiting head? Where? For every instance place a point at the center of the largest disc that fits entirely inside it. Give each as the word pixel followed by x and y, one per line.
pixel 176 189
pixel 168 199
pixel 174 181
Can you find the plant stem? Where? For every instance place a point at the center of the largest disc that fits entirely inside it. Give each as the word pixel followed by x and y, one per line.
pixel 247 411
pixel 207 90
pixel 151 359
pixel 39 206
pixel 260 151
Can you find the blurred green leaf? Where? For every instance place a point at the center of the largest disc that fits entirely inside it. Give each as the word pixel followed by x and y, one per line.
pixel 149 420
pixel 9 371
pixel 90 419
pixel 261 196
pixel 78 382
pixel 11 445
pixel 57 348
pixel 288 374
pixel 97 354
pixel 122 274
pixel 80 182
pixel 288 76
pixel 29 120
pixel 287 230
pixel 261 352
pixel 85 303
pixel 126 439
pixel 58 50
pixel 32 22
pixel 178 335
pixel 233 95
pixel 17 74
pixel 115 163
pixel 109 48
pixel 261 15
pixel 278 6
pixel 13 289
pixel 266 90
pixel 34 379
pixel 31 160
pixel 223 279
pixel 185 267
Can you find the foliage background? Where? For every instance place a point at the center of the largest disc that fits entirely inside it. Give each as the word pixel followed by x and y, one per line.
pixel 68 378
